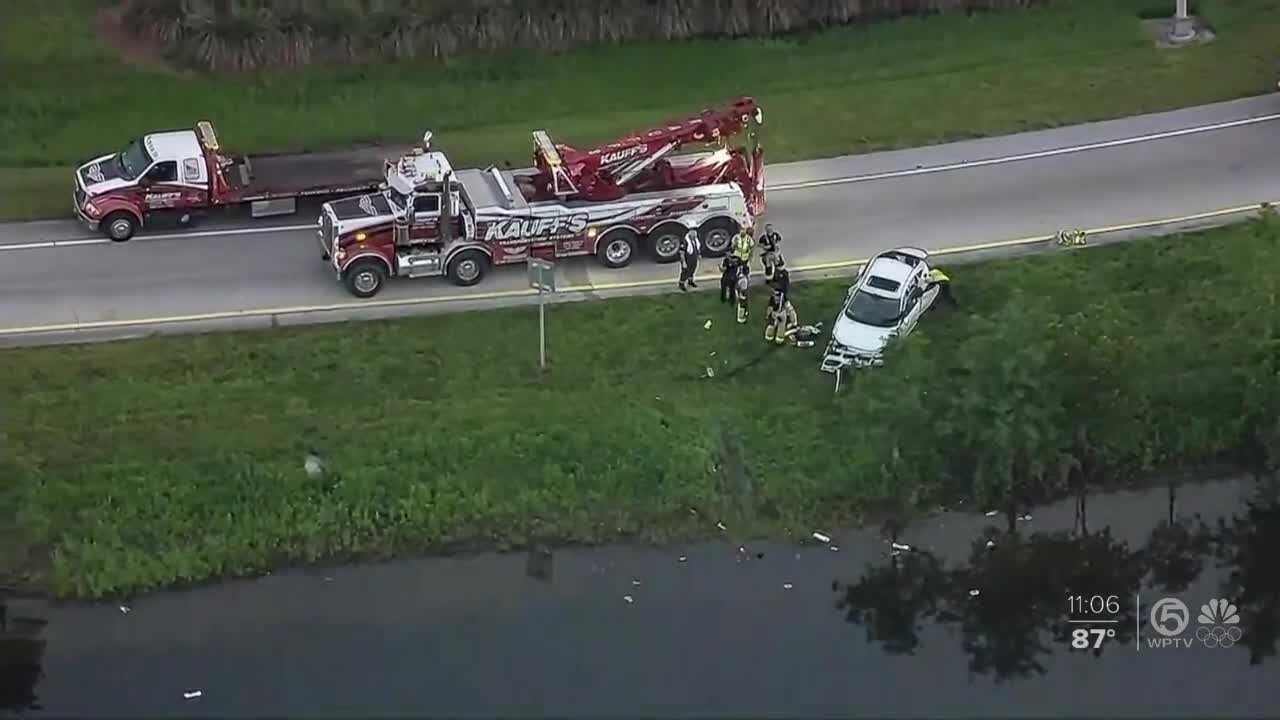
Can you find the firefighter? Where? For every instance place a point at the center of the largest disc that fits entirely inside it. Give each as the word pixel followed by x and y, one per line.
pixel 770 247
pixel 690 251
pixel 743 245
pixel 781 280
pixel 779 319
pixel 939 279
pixel 728 277
pixel 741 286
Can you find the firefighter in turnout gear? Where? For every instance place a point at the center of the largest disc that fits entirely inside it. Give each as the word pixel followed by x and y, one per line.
pixel 770 251
pixel 743 246
pixel 728 277
pixel 781 280
pixel 779 319
pixel 690 251
pixel 741 286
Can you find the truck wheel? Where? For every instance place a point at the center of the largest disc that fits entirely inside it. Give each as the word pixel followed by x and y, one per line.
pixel 468 268
pixel 617 248
pixel 664 242
pixel 717 236
pixel 365 277
pixel 119 226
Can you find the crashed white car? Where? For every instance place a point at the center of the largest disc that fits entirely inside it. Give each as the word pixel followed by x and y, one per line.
pixel 888 297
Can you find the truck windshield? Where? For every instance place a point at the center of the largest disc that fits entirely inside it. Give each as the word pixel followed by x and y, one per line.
pixel 399 200
pixel 133 160
pixel 874 310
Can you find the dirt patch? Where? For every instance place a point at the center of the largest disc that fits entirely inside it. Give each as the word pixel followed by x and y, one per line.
pixel 108 23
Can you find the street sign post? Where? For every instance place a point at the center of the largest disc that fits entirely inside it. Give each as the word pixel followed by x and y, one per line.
pixel 542 277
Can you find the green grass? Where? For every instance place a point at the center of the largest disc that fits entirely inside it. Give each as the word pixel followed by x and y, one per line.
pixel 140 464
pixel 906 82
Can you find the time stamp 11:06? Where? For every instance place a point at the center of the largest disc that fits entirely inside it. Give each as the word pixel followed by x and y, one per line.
pixel 1097 620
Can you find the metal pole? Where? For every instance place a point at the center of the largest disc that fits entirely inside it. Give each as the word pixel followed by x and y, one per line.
pixel 1183 30
pixel 837 392
pixel 542 330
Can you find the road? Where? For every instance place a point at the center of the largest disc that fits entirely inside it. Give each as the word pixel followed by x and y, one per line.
pixel 1097 175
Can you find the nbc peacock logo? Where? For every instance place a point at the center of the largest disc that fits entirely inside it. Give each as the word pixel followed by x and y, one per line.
pixel 1219 624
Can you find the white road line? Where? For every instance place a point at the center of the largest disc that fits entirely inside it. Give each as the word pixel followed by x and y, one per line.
pixel 967 164
pixel 781 187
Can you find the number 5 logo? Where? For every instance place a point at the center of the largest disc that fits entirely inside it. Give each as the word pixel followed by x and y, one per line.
pixel 1170 616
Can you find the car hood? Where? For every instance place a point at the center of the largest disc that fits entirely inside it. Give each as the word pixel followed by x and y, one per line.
pixel 101 175
pixel 857 336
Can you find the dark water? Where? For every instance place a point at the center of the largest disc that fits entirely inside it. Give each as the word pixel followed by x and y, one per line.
pixel 715 634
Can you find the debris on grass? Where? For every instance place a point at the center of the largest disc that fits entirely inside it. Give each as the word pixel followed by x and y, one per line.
pixel 820 537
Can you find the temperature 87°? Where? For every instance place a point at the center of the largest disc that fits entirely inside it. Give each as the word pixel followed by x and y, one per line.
pixel 1090 638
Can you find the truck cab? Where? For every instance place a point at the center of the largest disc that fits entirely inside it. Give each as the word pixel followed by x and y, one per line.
pixel 160 176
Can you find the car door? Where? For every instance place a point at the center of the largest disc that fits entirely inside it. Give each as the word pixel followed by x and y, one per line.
pixel 914 304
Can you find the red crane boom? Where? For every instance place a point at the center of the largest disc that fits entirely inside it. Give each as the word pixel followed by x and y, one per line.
pixel 640 162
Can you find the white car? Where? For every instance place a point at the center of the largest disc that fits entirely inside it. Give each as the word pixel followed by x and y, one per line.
pixel 887 299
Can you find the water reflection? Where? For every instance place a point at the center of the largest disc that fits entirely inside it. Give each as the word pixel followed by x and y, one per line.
pixel 1008 602
pixel 21 660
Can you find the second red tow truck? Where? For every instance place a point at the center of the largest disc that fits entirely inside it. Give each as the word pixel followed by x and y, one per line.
pixel 632 196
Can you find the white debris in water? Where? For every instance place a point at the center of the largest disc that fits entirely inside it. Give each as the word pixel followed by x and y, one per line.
pixel 991 544
pixel 635 582
pixel 684 558
pixel 124 609
pixel 992 513
pixel 328 579
pixel 1025 518
pixel 901 547
pixel 820 537
pixel 706 325
pixel 192 694
pixel 835 548
pixel 975 592
pixel 786 586
pixel 629 599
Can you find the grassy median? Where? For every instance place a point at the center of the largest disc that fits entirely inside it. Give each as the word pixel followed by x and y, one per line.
pixel 889 84
pixel 140 464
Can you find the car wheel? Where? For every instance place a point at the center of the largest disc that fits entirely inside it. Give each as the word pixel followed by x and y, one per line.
pixel 119 226
pixel 365 277
pixel 617 248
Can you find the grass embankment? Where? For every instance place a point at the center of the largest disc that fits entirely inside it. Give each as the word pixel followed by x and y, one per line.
pixel 896 83
pixel 143 463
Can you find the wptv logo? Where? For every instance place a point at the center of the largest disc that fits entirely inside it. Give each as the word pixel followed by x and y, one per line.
pixel 1218 624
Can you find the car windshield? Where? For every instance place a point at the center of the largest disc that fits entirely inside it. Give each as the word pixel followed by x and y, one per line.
pixel 874 310
pixel 133 160
pixel 398 199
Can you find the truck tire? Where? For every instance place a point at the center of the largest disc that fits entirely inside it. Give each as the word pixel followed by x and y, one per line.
pixel 717 236
pixel 467 268
pixel 664 242
pixel 364 278
pixel 119 226
pixel 618 248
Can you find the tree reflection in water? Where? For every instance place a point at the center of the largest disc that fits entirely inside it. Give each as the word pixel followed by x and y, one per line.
pixel 1009 601
pixel 21 661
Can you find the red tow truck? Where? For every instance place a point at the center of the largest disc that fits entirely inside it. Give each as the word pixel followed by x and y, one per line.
pixel 170 177
pixel 630 196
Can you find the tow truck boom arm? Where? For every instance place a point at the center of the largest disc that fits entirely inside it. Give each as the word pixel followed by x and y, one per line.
pixel 603 173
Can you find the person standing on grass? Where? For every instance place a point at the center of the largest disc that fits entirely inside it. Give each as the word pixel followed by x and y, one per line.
pixel 690 251
pixel 741 286
pixel 728 277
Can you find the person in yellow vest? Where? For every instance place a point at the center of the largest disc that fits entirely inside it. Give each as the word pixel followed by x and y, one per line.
pixel 744 245
pixel 939 279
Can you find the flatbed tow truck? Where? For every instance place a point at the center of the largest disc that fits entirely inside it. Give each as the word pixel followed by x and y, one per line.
pixel 168 178
pixel 613 202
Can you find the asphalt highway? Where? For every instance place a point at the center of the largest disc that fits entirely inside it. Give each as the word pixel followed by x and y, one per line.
pixel 55 276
